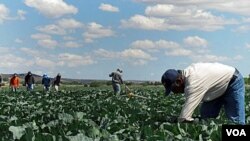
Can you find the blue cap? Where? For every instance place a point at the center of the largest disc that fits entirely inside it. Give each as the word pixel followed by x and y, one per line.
pixel 168 78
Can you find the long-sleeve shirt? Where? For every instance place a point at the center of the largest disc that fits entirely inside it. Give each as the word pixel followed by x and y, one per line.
pixel 204 82
pixel 15 82
pixel 57 80
pixel 46 81
pixel 116 77
pixel 29 79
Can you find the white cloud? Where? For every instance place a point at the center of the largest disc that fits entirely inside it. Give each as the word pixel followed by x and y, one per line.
pixel 73 60
pixel 238 57
pixel 154 46
pixel 195 41
pixel 143 22
pixel 209 58
pixel 45 63
pixel 21 14
pixel 170 17
pixel 242 29
pixel 108 7
pixel 178 52
pixel 4 13
pixel 231 6
pixel 40 36
pixel 5 50
pixel 45 40
pixel 136 53
pixel 106 54
pixel 247 45
pixel 71 44
pixel 52 29
pixel 31 52
pixel 48 43
pixel 95 31
pixel 133 56
pixel 69 23
pixel 18 40
pixel 8 62
pixel 52 8
pixel 68 38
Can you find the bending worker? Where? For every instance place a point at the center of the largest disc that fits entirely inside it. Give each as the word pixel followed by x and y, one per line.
pixel 213 84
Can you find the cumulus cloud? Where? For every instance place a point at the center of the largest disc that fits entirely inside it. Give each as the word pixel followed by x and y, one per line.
pixel 133 56
pixel 48 43
pixel 73 60
pixel 7 62
pixel 69 23
pixel 52 29
pixel 71 44
pixel 136 53
pixel 174 49
pixel 195 41
pixel 61 27
pixel 179 52
pixel 4 13
pixel 45 40
pixel 209 58
pixel 40 36
pixel 164 17
pixel 247 46
pixel 45 63
pixel 5 50
pixel 52 8
pixel 238 7
pixel 242 29
pixel 21 14
pixel 143 22
pixel 17 40
pixel 108 7
pixel 95 31
pixel 154 46
pixel 30 52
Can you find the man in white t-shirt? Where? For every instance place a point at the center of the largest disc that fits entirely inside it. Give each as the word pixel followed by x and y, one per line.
pixel 213 84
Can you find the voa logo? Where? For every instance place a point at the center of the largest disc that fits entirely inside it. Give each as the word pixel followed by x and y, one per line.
pixel 236 132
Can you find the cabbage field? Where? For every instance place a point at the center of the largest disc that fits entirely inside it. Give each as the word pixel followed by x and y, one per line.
pixel 95 114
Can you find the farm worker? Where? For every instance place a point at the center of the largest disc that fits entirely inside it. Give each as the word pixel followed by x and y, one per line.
pixel 29 81
pixel 1 80
pixel 46 82
pixel 14 82
pixel 213 85
pixel 57 81
pixel 116 80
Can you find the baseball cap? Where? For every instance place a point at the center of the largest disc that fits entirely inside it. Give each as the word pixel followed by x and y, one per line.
pixel 168 78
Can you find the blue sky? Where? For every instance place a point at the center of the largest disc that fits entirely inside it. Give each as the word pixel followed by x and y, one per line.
pixel 88 39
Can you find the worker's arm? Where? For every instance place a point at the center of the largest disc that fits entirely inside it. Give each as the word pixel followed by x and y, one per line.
pixel 191 103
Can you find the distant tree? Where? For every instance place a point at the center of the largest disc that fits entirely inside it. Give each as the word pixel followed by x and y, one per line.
pixel 109 83
pixel 95 84
pixel 5 79
pixel 249 79
pixel 129 83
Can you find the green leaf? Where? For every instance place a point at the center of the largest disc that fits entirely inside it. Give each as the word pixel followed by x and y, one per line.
pixel 17 131
pixel 79 137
